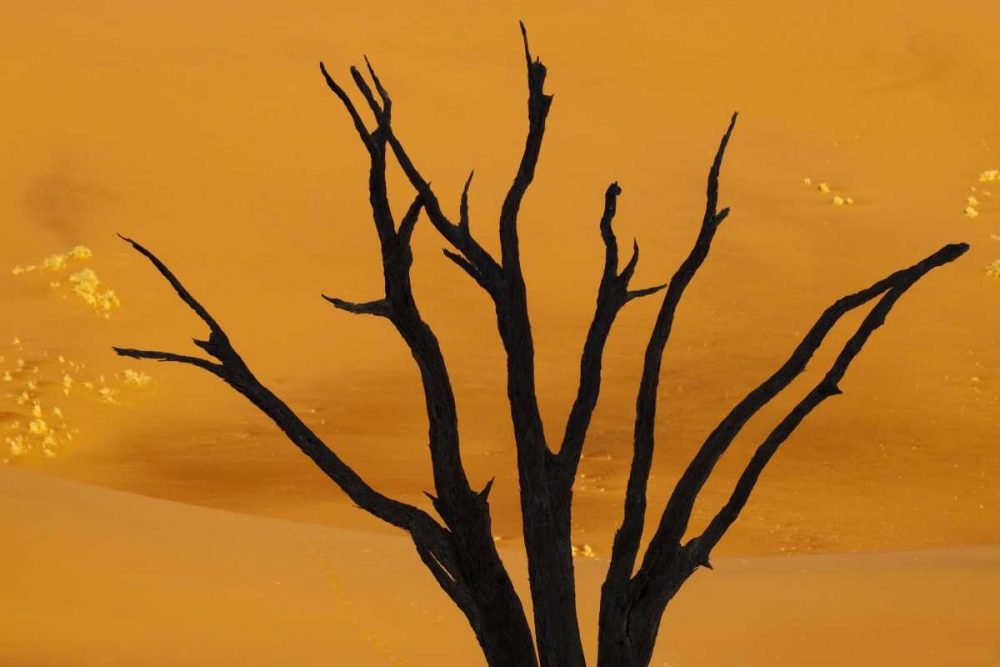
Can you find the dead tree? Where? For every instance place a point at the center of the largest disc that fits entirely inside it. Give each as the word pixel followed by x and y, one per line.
pixel 457 545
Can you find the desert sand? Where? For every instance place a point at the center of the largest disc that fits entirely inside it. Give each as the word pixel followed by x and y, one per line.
pixel 867 138
pixel 99 577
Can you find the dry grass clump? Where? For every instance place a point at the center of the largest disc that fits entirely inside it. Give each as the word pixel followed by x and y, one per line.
pixel 836 199
pixel 30 423
pixel 32 381
pixel 84 283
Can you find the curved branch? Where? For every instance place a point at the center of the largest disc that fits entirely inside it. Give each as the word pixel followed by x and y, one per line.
pixel 538 111
pixel 235 373
pixel 675 518
pixel 701 547
pixel 625 548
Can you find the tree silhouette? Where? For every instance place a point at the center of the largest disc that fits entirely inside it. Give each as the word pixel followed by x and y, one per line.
pixel 457 546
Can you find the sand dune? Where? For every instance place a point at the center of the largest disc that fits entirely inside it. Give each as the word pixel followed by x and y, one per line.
pixel 93 577
pixel 868 138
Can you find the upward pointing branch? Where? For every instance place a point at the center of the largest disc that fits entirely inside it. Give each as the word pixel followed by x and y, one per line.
pixel 538 111
pixel 702 546
pixel 612 295
pixel 626 543
pixel 675 518
pixel 424 529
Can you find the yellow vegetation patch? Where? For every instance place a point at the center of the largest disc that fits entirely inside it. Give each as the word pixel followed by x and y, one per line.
pixel 824 187
pixel 136 378
pixel 32 426
pixel 84 282
pixel 87 286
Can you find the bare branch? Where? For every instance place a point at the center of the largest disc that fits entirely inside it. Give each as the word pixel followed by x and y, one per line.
pixel 366 91
pixel 458 235
pixel 626 543
pixel 524 37
pixel 409 221
pixel 209 366
pixel 456 498
pixel 629 269
pixel 478 582
pixel 178 287
pixel 701 547
pixel 608 233
pixel 235 373
pixel 386 101
pixel 379 307
pixel 376 146
pixel 467 266
pixel 359 124
pixel 646 291
pixel 463 211
pixel 612 294
pixel 675 518
pixel 538 110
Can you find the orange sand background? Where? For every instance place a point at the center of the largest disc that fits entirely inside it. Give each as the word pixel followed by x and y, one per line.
pixel 206 133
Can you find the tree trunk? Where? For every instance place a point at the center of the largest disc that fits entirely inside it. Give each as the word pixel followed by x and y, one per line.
pixel 553 585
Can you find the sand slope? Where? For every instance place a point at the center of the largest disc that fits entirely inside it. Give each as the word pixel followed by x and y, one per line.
pixel 93 577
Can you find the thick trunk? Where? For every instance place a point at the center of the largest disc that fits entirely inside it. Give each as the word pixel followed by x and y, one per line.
pixel 501 627
pixel 496 615
pixel 630 615
pixel 545 504
pixel 553 586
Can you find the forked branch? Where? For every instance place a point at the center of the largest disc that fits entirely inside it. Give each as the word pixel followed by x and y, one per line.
pixel 612 294
pixel 479 585
pixel 231 368
pixel 675 518
pixel 625 548
pixel 667 565
pixel 701 546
